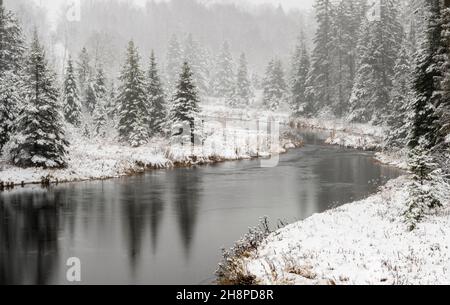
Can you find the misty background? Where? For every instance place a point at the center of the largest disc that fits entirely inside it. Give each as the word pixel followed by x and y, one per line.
pixel 262 29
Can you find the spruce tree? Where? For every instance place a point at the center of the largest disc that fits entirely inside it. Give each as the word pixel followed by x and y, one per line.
pixel 84 71
pixel 133 115
pixel 99 114
pixel 198 61
pixel 111 103
pixel 71 100
pixel 10 104
pixel 427 81
pixel 12 46
pixel 378 46
pixel 320 82
pixel 300 102
pixel 274 85
pixel 39 139
pixel 444 107
pixel 185 109
pixel 174 64
pixel 397 115
pixel 90 100
pixel 243 86
pixel 157 103
pixel 224 80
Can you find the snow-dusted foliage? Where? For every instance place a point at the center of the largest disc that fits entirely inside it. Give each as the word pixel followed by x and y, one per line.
pixel 174 62
pixel 199 61
pixel 84 72
pixel 275 88
pixel 378 47
pixel 157 102
pixel 38 138
pixel 11 88
pixel 185 109
pixel 12 44
pixel 224 80
pixel 71 98
pixel 243 88
pixel 397 116
pixel 301 103
pixel 133 116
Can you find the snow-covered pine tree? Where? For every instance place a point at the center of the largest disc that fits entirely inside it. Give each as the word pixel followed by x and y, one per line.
pixel 427 81
pixel 275 87
pixel 38 138
pixel 346 21
pixel 243 92
pixel 444 108
pixel 397 115
pixel 198 61
pixel 133 115
pixel 378 46
pixel 320 82
pixel 422 193
pixel 10 101
pixel 224 79
pixel 71 100
pixel 174 63
pixel 90 100
pixel 99 114
pixel 111 103
pixel 300 103
pixel 12 46
pixel 157 102
pixel 84 72
pixel 185 109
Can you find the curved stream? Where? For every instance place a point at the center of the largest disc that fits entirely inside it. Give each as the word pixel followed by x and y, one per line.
pixel 168 226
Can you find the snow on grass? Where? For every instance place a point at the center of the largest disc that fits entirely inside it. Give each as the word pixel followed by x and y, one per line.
pixel 363 242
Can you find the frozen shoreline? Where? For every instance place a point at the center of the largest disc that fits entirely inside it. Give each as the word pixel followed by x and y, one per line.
pixel 363 242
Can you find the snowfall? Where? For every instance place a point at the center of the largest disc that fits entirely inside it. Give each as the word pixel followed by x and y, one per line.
pixel 364 242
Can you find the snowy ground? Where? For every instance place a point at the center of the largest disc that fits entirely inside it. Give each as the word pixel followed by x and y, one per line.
pixel 364 242
pixel 243 134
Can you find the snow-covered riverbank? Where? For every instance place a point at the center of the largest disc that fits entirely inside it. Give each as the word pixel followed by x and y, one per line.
pixel 242 135
pixel 364 242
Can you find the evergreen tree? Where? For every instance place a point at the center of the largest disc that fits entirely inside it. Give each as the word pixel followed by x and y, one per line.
pixel 397 115
pixel 300 103
pixel 133 113
pixel 224 80
pixel 422 193
pixel 320 82
pixel 185 109
pixel 444 107
pixel 427 81
pixel 111 104
pixel 10 101
pixel 90 101
pixel 243 86
pixel 11 41
pixel 71 100
pixel 99 113
pixel 157 103
pixel 197 58
pixel 378 46
pixel 274 85
pixel 84 71
pixel 38 139
pixel 174 61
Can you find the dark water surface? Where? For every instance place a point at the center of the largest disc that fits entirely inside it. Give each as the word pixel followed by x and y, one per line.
pixel 168 226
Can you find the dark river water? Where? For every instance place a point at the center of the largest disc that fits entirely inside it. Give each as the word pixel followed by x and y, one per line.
pixel 168 226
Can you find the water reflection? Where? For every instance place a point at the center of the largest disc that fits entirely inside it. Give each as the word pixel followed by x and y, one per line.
pixel 167 227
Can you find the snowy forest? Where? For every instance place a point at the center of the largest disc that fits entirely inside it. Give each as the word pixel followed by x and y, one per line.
pixel 129 88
